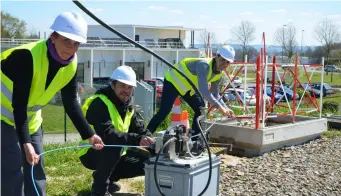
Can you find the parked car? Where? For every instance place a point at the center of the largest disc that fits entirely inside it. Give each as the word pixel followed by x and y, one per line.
pixel 158 85
pixel 326 90
pixel 311 89
pixel 277 95
pixel 288 92
pixel 332 68
pixel 231 95
pixel 237 82
pixel 268 94
pixel 159 80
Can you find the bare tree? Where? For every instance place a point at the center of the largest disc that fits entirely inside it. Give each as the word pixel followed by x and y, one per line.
pixel 32 34
pixel 204 37
pixel 244 34
pixel 251 53
pixel 12 27
pixel 286 37
pixel 328 34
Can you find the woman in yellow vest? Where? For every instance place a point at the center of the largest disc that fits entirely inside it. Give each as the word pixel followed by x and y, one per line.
pixel 31 75
pixel 111 115
pixel 201 72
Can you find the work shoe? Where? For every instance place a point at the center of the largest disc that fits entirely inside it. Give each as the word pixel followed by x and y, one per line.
pixel 114 187
pixel 99 194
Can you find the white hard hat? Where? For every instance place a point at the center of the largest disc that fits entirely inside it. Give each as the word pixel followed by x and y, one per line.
pixel 71 25
pixel 227 52
pixel 124 74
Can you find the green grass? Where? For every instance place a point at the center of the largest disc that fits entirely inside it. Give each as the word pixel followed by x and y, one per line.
pixel 66 175
pixel 331 133
pixel 334 80
pixel 53 120
pixel 54 115
pixel 335 97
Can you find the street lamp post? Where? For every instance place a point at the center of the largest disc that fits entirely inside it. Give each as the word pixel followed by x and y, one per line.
pixel 283 44
pixel 302 41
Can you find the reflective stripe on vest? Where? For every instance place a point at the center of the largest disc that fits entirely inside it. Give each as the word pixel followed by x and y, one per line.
pixel 181 84
pixel 116 120
pixel 39 96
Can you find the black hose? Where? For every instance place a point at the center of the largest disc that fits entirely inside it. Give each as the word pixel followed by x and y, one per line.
pixel 209 158
pixel 84 9
pixel 155 164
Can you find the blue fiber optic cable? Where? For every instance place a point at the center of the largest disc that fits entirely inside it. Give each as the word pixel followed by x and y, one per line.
pixel 71 147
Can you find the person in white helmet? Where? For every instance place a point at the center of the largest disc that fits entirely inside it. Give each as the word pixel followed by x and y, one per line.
pixel 109 111
pixel 31 74
pixel 202 72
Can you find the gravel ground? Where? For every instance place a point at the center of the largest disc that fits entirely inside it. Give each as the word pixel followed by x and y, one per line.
pixel 310 169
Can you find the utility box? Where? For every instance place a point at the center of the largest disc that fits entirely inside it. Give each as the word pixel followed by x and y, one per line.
pixel 182 177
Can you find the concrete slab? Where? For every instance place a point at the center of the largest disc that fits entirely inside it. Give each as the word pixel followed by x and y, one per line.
pixel 334 122
pixel 278 133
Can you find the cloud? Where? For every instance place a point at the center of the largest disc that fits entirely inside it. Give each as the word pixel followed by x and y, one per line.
pixel 177 11
pixel 179 23
pixel 305 13
pixel 317 14
pixel 279 11
pixel 96 10
pixel 334 16
pixel 217 26
pixel 202 16
pixel 163 8
pixel 257 20
pixel 311 13
pixel 246 13
pixel 277 25
pixel 157 8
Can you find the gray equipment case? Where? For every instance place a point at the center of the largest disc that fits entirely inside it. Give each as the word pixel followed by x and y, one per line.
pixel 182 177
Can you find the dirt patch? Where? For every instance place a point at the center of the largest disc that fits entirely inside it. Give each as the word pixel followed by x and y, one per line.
pixel 131 187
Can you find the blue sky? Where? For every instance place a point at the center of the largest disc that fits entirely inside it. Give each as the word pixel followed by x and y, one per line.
pixel 216 16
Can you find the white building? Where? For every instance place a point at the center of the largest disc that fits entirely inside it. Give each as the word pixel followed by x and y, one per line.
pixel 105 50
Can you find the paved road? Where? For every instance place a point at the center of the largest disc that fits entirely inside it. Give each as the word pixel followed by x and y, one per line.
pixel 50 138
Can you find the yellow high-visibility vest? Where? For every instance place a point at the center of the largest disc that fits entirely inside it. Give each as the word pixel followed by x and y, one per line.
pixel 118 123
pixel 181 83
pixel 38 97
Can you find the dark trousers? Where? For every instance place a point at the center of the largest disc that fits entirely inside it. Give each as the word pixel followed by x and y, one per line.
pixel 13 158
pixel 169 94
pixel 111 167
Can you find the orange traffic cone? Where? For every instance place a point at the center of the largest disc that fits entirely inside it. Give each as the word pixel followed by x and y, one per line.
pixel 176 113
pixel 184 120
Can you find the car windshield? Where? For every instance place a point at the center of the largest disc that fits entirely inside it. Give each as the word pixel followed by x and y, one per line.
pixel 327 86
pixel 288 90
pixel 150 82
pixel 248 93
pixel 253 91
pixel 159 83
